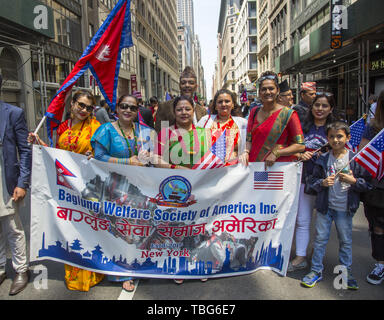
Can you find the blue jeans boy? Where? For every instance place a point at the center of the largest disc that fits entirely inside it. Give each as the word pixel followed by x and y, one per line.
pixel 343 222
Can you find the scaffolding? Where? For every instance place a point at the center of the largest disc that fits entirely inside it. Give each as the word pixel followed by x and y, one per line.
pixel 33 48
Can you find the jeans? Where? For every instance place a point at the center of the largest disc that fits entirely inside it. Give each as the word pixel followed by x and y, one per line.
pixel 343 223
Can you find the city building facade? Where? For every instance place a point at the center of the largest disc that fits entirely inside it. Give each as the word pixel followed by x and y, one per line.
pixel 40 45
pixel 353 68
pixel 246 46
pixel 38 48
pixel 198 67
pixel 226 31
pixel 184 39
pixel 186 36
pixel 155 35
pixel 186 14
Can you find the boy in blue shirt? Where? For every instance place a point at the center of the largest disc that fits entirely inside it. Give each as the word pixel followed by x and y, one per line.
pixel 338 198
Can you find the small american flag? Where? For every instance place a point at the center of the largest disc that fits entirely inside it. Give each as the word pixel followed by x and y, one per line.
pixel 215 156
pixel 268 180
pixel 372 156
pixel 357 130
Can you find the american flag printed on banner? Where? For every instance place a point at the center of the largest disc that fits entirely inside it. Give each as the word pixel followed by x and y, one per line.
pixel 215 156
pixel 357 130
pixel 372 156
pixel 272 180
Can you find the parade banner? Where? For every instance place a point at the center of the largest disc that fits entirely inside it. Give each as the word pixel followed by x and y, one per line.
pixel 160 223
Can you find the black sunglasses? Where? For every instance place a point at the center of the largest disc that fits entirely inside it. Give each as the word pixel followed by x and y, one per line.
pixel 85 106
pixel 125 106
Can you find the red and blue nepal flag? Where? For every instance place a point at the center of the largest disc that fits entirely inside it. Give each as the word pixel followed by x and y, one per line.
pixel 102 57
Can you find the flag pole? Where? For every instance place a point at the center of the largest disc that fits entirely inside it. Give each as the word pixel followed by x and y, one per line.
pixel 316 151
pixel 353 158
pixel 40 125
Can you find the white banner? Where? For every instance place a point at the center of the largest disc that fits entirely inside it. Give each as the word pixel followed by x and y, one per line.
pixel 160 223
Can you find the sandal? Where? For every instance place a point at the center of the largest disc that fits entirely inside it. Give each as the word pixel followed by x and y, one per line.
pixel 178 281
pixel 131 284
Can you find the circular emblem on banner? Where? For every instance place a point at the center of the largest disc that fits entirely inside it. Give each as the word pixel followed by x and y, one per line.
pixel 175 191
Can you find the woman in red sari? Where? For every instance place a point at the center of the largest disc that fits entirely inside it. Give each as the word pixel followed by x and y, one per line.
pixel 274 132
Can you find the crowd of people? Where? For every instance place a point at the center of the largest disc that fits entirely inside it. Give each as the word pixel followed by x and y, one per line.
pixel 175 135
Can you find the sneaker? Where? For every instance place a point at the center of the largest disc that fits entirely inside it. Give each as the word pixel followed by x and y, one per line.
pixel 311 279
pixel 377 274
pixel 352 283
pixel 299 266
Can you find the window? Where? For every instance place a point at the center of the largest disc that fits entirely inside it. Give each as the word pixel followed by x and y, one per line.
pixel 91 31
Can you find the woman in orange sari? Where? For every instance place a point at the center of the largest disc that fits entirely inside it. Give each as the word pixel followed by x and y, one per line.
pixel 75 135
pixel 274 132
pixel 226 116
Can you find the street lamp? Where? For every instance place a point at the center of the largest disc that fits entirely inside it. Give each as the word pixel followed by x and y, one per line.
pixel 156 56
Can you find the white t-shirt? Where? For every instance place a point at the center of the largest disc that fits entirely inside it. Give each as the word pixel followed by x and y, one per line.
pixel 338 193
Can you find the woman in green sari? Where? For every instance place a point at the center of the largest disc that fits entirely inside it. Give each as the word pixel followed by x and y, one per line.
pixel 182 145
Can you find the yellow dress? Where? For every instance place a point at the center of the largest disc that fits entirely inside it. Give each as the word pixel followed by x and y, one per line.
pixel 77 138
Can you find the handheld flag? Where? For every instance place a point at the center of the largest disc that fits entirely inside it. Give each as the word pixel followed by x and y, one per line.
pixel 102 57
pixel 167 96
pixel 357 130
pixel 215 156
pixel 141 120
pixel 371 157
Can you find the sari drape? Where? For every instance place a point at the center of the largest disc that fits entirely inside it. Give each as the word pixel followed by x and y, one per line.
pixel 235 135
pixel 280 130
pixel 78 139
pixel 179 147
pixel 109 143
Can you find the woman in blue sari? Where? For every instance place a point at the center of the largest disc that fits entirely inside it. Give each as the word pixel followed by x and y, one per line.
pixel 125 141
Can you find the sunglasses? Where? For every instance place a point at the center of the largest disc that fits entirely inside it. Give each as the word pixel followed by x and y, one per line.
pixel 270 77
pixel 125 106
pixel 327 94
pixel 85 106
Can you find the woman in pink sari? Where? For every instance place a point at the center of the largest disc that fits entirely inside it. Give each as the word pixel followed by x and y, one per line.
pixel 274 132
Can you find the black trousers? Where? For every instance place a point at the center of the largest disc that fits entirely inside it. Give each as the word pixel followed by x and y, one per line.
pixel 375 217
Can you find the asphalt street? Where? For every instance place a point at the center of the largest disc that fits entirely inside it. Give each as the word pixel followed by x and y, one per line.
pixel 261 285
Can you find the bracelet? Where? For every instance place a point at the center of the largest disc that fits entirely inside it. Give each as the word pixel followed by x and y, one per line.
pixel 276 153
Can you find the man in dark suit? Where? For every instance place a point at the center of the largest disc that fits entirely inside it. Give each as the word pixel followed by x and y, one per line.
pixel 188 86
pixel 15 172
